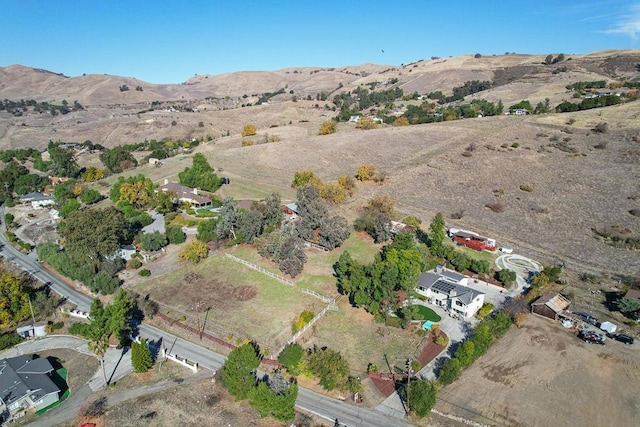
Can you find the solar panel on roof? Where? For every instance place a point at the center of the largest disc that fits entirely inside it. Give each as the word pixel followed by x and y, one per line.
pixel 443 286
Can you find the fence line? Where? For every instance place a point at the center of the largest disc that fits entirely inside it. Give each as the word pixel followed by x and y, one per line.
pixel 308 325
pixel 282 279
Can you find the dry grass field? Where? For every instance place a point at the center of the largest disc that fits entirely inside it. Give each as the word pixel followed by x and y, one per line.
pixel 244 303
pixel 543 375
pixel 574 186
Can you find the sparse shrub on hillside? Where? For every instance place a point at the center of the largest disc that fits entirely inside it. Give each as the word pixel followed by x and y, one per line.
pixel 380 177
pixel 635 212
pixel 457 214
pixel 601 145
pixel 571 121
pixel 365 172
pixel 248 130
pixel 515 145
pixel 526 187
pixel 541 209
pixel 496 206
pixel 477 55
pixel 601 128
pixel 366 123
pixel 400 121
pixel 327 128
pixel 467 154
pixel 247 143
pixel 472 147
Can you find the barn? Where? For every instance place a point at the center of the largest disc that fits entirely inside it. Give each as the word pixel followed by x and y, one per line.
pixel 551 306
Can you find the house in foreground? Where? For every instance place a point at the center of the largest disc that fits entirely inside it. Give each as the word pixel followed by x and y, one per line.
pixel 449 291
pixel 26 384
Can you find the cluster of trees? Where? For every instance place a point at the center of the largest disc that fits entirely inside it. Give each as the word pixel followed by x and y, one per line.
pixel 270 396
pixel 589 103
pixel 141 358
pixel 581 86
pixel 118 159
pixel 326 364
pixel 351 103
pixel 429 113
pixel 468 88
pixel 200 175
pixel 541 107
pixel 332 192
pixel 68 195
pixel 471 349
pixel 375 218
pixel 550 60
pixel 160 149
pixel 90 256
pixel 376 286
pixel 17 108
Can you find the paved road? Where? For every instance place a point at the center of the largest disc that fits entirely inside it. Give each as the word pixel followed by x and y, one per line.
pixel 315 403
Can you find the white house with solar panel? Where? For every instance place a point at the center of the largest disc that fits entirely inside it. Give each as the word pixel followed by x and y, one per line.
pixel 449 291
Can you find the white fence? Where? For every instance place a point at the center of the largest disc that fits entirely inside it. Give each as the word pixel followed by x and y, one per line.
pixel 330 307
pixel 282 279
pixel 181 360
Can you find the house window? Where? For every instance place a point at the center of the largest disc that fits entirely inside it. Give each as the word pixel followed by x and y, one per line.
pixel 459 303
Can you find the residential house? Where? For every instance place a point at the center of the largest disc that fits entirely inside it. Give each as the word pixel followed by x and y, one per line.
pixel 37 200
pixel 185 194
pixel 633 294
pixel 290 210
pixel 31 330
pixel 449 290
pixel 25 384
pixel 126 252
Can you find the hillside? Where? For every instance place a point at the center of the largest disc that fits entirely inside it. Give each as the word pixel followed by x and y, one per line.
pixel 114 116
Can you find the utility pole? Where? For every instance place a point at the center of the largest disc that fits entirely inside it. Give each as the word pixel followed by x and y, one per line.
pixel 409 371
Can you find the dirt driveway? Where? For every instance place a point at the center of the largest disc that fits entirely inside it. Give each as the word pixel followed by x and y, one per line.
pixel 543 375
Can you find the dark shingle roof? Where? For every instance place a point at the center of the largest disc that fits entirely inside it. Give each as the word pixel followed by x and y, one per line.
pixel 23 376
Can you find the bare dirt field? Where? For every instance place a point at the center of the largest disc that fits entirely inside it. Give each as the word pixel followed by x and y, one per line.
pixel 542 375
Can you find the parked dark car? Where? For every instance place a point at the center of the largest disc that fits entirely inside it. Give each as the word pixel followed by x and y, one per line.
pixel 623 338
pixel 587 318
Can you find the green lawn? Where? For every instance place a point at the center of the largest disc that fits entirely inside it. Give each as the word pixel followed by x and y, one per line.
pixel 427 314
pixel 62 373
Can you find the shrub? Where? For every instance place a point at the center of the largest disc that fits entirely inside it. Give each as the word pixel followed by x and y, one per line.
pixel 301 320
pixel 496 206
pixel 515 145
pixel 248 130
pixel 144 273
pixel 526 187
pixel 327 128
pixel 442 340
pixel 290 357
pixel 487 307
pixel 135 264
pixel 247 143
pixel 457 214
pixel 601 128
pixel 365 172
pixel 81 329
pixel 9 340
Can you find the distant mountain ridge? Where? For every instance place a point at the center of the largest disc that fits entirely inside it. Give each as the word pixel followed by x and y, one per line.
pixel 21 82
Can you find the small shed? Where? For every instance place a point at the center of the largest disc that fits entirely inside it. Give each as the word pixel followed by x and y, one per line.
pixel 30 331
pixel 550 306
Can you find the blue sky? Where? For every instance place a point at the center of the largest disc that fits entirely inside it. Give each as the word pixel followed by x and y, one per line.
pixel 170 41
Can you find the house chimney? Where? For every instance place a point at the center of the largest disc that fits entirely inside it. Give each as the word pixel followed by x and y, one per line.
pixel 439 269
pixel 195 191
pixel 453 293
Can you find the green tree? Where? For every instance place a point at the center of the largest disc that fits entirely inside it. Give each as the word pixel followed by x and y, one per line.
pixel 449 371
pixel 108 228
pixel 422 395
pixel 14 300
pixel 153 241
pixel 200 175
pixel 248 130
pixel 629 307
pixel 251 225
pixel 238 372
pixel 290 357
pixel 329 366
pixel 141 359
pixel 164 202
pixel 506 276
pixel 118 159
pixel 230 219
pixel 175 235
pixel 90 196
pixel 303 177
pixel 63 163
pixel 327 128
pixel 207 230
pixel 69 206
pixel 437 234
